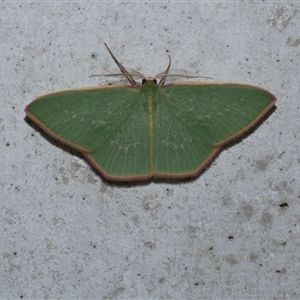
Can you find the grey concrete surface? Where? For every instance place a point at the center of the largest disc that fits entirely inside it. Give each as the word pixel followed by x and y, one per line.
pixel 231 233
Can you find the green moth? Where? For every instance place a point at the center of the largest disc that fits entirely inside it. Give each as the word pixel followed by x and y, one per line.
pixel 152 129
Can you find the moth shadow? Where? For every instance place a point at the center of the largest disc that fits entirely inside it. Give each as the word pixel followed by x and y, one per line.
pixel 146 182
pixel 52 140
pixel 250 131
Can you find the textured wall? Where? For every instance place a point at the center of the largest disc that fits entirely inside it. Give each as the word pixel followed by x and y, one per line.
pixel 232 232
